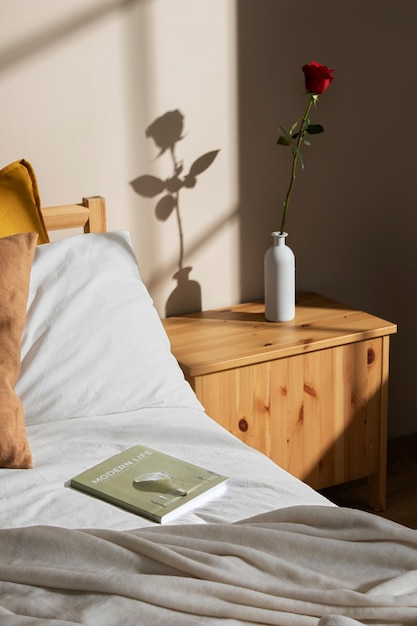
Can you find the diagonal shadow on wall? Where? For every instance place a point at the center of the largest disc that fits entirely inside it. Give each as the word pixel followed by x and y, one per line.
pixel 51 35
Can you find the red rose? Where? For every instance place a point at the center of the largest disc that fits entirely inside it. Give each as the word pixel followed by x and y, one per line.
pixel 317 77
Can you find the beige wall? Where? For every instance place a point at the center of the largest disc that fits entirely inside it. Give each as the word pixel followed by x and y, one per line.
pixel 80 82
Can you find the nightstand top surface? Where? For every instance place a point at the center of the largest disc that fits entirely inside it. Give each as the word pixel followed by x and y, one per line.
pixel 221 339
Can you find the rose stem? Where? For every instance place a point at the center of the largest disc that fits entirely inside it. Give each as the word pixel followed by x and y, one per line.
pixel 295 159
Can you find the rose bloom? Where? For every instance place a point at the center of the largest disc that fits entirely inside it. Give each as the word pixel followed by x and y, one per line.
pixel 317 77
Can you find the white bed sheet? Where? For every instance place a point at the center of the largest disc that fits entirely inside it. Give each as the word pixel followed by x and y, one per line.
pixel 62 449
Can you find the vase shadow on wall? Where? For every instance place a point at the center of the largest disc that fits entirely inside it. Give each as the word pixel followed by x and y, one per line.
pixel 187 293
pixel 166 131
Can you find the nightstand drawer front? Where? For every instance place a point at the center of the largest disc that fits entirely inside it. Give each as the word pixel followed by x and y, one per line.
pixel 318 415
pixel 327 411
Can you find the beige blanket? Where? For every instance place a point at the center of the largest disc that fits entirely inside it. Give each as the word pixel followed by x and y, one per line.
pixel 303 565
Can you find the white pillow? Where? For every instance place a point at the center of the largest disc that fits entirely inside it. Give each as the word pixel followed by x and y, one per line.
pixel 93 342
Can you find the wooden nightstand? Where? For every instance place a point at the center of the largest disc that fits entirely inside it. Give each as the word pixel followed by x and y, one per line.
pixel 310 393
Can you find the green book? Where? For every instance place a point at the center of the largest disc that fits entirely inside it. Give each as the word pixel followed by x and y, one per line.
pixel 150 483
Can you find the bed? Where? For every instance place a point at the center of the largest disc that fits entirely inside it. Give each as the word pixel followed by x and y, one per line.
pixel 96 376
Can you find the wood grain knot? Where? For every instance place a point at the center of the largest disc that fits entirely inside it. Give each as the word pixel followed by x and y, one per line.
pixel 371 356
pixel 310 390
pixel 243 425
pixel 267 344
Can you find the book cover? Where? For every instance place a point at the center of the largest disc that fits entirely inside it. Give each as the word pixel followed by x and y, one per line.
pixel 150 483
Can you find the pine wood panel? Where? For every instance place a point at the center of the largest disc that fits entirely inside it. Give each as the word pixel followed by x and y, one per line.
pixel 327 412
pixel 240 400
pixel 317 415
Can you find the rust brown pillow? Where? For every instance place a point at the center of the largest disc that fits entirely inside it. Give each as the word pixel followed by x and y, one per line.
pixel 16 257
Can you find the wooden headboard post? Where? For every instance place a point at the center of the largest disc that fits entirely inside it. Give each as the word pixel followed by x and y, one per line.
pixel 89 215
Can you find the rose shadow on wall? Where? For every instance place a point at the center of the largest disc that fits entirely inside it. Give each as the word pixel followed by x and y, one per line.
pixel 166 131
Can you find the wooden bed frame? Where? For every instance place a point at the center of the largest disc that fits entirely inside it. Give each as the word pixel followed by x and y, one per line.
pixel 89 215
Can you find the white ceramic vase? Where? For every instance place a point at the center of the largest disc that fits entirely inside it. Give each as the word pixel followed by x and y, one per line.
pixel 279 273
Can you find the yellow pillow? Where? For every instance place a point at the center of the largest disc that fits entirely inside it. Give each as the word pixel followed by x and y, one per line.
pixel 16 257
pixel 20 210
